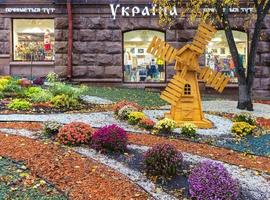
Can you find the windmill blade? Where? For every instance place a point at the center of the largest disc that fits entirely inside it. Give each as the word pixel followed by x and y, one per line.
pixel 161 49
pixel 214 79
pixel 203 36
pixel 174 90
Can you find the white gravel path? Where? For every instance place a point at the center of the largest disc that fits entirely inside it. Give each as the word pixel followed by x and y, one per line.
pixel 96 120
pixel 253 185
pixel 95 100
pixel 260 110
pixel 101 119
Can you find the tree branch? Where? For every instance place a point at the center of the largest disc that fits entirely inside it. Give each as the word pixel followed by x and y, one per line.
pixel 256 3
pixel 266 8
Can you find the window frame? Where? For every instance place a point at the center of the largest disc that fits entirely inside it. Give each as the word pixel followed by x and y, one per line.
pixel 12 39
pixel 123 66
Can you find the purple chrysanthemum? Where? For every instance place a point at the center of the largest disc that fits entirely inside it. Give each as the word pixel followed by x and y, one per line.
pixel 110 138
pixel 210 180
pixel 162 160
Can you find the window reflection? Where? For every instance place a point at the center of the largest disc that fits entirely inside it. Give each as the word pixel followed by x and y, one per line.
pixel 218 55
pixel 139 66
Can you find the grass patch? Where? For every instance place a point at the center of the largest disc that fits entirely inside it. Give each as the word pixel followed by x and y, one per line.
pixel 140 96
pixel 16 182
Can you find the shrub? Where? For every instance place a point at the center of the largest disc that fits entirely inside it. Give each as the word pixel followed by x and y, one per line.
pixel 12 87
pixel 146 123
pixel 135 117
pixel 3 83
pixel 64 101
pixel 43 96
pixel 19 104
pixel 121 104
pixel 75 133
pixel 245 117
pixel 33 90
pixel 165 126
pixel 162 160
pixel 38 81
pixel 188 129
pixel 211 181
pixel 125 111
pixel 51 128
pixel 52 77
pixel 110 138
pixel 62 88
pixel 241 129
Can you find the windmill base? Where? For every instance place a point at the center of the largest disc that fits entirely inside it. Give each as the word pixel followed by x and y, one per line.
pixel 204 123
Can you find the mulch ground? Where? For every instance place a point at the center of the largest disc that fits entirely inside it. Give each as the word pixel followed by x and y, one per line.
pixel 31 126
pixel 263 102
pixel 217 153
pixel 79 177
pixel 205 150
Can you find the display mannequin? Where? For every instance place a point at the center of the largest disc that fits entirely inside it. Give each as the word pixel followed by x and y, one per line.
pixel 161 69
pixel 127 64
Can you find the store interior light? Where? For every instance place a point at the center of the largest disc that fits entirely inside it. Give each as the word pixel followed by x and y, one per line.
pixel 217 39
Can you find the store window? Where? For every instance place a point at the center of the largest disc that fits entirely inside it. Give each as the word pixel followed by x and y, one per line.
pixel 33 39
pixel 139 66
pixel 218 55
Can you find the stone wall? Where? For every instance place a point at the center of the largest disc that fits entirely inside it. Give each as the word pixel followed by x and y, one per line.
pixel 61 44
pixel 262 75
pixel 97 44
pixel 5 30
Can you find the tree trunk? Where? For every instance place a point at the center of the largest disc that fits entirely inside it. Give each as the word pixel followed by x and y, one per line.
pixel 244 91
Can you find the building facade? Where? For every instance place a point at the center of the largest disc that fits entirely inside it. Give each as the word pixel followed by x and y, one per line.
pixel 109 42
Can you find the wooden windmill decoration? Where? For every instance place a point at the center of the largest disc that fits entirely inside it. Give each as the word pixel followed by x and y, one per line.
pixel 182 92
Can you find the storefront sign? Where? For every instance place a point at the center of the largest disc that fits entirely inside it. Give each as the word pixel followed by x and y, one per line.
pixel 152 10
pixel 232 10
pixel 30 10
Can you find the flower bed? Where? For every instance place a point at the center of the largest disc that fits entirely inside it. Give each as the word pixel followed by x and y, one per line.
pixel 25 96
pixel 135 159
pixel 66 169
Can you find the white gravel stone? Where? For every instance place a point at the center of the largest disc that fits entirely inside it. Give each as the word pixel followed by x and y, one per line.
pixel 260 110
pixel 95 100
pixel 20 132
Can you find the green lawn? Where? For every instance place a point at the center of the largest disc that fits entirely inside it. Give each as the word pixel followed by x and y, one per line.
pixel 16 183
pixel 140 96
